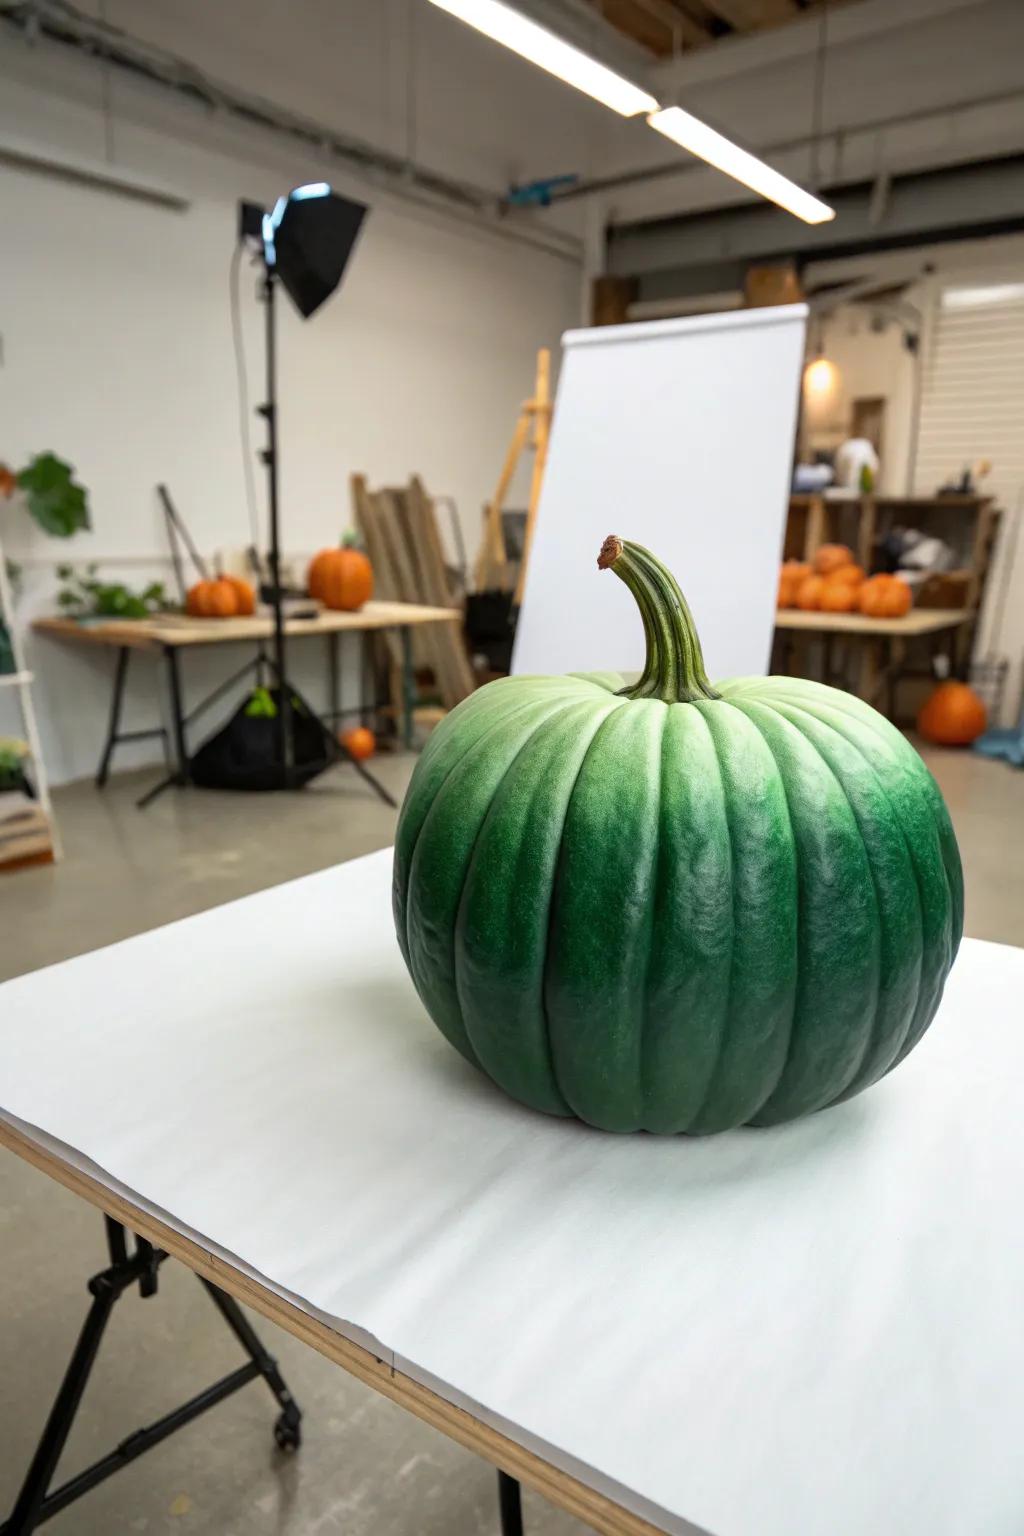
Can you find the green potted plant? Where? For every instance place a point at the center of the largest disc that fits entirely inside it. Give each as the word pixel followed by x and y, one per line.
pixel 49 493
pixel 12 760
pixel 83 597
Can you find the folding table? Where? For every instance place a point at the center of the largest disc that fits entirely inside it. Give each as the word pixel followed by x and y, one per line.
pixel 877 638
pixel 815 1328
pixel 174 635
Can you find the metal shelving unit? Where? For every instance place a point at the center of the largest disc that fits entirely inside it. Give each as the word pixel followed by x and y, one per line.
pixel 21 679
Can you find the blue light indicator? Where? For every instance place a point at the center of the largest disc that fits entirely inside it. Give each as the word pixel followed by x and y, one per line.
pixel 311 189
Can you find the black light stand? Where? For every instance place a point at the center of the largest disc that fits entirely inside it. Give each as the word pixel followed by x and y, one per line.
pixel 268 410
pixel 306 243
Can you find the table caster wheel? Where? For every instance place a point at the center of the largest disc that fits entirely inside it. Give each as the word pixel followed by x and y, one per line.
pixel 287 1433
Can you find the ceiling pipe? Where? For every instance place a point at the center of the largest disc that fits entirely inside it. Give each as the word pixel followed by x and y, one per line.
pixel 604 184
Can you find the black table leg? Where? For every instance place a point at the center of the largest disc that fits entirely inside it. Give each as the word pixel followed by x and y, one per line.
pixel 510 1505
pixel 177 713
pixel 35 1504
pixel 408 686
pixel 367 680
pixel 334 676
pixel 25 1515
pixel 113 728
pixel 180 775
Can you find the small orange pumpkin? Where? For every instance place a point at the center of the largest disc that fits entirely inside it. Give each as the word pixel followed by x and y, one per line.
pixel 809 593
pixel 791 574
pixel 952 716
pixel 885 597
pixel 245 594
pixel 8 482
pixel 830 557
pixel 341 578
pixel 359 742
pixel 852 575
pixel 838 596
pixel 224 597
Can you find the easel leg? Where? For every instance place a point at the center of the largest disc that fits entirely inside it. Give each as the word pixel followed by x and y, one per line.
pixel 113 728
pixel 510 1505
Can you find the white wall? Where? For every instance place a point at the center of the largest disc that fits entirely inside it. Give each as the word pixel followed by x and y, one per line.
pixel 117 351
pixel 869 364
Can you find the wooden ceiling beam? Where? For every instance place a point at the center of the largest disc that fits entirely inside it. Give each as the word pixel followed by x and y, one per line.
pixel 657 25
pixel 752 15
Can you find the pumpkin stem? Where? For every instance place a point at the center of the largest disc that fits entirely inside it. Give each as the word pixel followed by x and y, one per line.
pixel 674 670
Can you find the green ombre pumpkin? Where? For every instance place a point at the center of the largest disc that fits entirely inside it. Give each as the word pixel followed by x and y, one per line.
pixel 671 906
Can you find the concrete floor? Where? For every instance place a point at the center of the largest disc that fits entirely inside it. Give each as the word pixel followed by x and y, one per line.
pixel 366 1467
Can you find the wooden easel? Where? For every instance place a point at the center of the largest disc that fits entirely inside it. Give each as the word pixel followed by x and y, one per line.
pixel 532 431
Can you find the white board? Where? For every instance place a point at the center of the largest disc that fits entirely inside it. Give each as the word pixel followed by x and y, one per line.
pixel 678 435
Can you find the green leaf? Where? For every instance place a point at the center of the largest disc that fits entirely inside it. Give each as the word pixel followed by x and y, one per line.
pixel 57 503
pixel 65 572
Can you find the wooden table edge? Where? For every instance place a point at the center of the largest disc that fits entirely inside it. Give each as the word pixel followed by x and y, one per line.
pixel 558 1487
pixel 813 622
pixel 151 634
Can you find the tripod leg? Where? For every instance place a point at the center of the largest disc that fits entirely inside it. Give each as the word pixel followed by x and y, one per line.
pixel 510 1505
pixel 286 1431
pixel 375 783
pixel 337 748
pixel 25 1514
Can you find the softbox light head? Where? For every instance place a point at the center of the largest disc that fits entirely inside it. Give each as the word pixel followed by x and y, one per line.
pixel 308 240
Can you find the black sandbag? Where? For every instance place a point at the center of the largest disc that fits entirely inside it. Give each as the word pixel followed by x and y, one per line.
pixel 243 754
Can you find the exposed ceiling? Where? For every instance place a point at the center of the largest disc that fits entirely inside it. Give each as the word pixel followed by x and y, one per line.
pixel 666 27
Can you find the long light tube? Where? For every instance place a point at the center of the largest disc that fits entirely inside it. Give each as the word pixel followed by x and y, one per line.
pixel 690 133
pixel 546 50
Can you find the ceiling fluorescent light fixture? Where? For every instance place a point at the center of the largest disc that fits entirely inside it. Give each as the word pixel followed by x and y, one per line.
pixel 690 133
pixel 531 41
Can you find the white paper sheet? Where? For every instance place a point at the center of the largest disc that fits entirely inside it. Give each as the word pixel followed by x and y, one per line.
pixel 775 1333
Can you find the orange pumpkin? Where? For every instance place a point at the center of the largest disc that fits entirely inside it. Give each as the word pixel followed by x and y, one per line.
pixel 952 716
pixel 809 592
pixel 792 573
pixel 830 557
pixel 225 597
pixel 885 597
pixel 341 578
pixel 852 575
pixel 838 596
pixel 359 742
pixel 8 482
pixel 245 594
